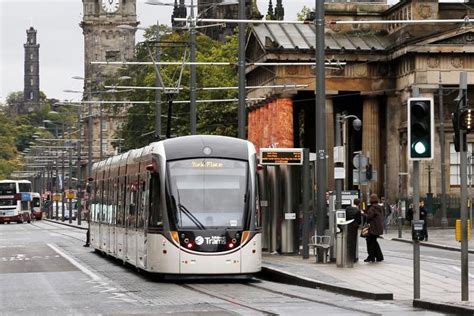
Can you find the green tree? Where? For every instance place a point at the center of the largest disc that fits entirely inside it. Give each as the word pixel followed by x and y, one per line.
pixel 212 118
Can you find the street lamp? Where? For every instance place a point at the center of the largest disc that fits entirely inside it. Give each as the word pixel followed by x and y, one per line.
pixel 340 163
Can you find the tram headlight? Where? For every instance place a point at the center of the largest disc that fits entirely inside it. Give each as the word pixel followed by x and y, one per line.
pixel 189 245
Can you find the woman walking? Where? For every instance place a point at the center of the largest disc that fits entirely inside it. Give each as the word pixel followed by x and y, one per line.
pixel 375 218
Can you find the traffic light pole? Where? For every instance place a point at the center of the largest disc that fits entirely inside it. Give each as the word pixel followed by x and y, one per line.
pixel 463 173
pixel 416 217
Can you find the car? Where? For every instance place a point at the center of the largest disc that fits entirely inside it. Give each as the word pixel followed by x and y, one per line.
pixel 36 206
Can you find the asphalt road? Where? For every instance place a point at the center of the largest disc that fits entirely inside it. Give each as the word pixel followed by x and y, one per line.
pixel 44 270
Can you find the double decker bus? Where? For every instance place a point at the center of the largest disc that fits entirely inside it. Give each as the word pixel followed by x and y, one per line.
pixel 15 201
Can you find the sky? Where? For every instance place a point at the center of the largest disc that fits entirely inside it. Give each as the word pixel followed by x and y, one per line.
pixel 61 41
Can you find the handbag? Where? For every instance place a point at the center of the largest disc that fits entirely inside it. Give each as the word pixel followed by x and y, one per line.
pixel 364 232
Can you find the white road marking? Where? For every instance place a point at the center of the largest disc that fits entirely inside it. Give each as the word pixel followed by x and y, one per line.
pixel 91 274
pixel 459 270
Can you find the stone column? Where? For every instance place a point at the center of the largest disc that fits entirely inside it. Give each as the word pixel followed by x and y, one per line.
pixel 371 140
pixel 330 141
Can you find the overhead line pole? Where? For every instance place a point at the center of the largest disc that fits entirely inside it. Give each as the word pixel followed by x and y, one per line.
pixel 241 108
pixel 320 128
pixel 192 57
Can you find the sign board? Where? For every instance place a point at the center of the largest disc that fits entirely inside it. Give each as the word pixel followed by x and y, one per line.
pixel 70 195
pixel 57 197
pixel 359 161
pixel 263 203
pixel 281 156
pixel 339 173
pixel 26 196
pixel 363 179
pixel 290 215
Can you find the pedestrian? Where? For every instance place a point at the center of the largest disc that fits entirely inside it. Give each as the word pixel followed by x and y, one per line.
pixel 375 219
pixel 387 211
pixel 409 215
pixel 423 217
pixel 353 212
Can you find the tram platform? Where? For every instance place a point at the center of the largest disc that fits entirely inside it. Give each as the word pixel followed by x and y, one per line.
pixel 391 279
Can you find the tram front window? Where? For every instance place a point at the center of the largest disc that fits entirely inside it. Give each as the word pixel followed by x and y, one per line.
pixel 208 193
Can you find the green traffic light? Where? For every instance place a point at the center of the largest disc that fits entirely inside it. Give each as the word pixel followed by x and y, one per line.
pixel 420 148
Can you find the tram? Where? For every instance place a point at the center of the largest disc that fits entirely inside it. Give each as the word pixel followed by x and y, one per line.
pixel 181 206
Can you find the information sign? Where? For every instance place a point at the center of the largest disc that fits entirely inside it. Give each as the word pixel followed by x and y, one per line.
pixel 281 156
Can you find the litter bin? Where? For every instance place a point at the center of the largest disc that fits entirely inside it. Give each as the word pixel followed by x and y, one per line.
pixel 343 259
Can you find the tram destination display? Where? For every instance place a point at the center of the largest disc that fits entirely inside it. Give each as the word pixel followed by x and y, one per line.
pixel 281 156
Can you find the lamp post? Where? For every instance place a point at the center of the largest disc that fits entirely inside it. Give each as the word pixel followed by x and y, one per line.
pixel 357 124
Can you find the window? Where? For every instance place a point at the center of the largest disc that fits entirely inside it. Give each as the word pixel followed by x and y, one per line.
pixel 104 124
pixel 455 164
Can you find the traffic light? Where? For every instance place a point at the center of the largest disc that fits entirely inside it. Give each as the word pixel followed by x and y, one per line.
pixel 462 121
pixel 420 128
pixel 465 120
pixel 368 172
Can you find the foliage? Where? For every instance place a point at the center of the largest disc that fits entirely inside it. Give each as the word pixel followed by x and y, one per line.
pixel 17 131
pixel 304 13
pixel 212 118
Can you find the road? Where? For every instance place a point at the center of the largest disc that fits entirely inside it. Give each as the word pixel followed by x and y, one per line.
pixel 44 270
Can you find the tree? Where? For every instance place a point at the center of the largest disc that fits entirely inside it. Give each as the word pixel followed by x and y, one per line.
pixel 212 118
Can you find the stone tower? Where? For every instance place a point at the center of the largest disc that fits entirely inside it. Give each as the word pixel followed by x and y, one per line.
pixel 104 41
pixel 31 86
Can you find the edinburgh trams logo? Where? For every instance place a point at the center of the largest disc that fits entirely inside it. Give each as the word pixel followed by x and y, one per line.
pixel 213 240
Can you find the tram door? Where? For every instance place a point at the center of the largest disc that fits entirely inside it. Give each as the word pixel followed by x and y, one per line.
pixel 131 213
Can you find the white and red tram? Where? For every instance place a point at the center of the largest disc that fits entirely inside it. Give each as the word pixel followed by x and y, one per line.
pixel 182 206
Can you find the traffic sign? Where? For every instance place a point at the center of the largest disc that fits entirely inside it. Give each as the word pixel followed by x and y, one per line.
pixel 360 161
pixel 70 195
pixel 57 197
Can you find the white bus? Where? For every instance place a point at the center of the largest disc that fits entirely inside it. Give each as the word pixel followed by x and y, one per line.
pixel 15 201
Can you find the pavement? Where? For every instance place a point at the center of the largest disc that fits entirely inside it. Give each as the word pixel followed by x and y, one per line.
pixel 387 280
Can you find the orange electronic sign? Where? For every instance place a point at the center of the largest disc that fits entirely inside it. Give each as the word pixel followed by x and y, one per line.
pixel 281 156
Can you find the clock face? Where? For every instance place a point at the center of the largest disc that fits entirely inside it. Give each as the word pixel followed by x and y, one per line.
pixel 110 6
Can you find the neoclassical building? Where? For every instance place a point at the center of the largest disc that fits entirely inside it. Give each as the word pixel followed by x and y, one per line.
pixel 380 64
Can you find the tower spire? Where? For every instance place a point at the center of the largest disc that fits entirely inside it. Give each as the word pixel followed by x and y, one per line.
pixel 279 11
pixel 270 14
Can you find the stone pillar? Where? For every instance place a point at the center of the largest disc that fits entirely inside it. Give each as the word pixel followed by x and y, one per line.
pixel 271 125
pixel 371 140
pixel 394 157
pixel 330 142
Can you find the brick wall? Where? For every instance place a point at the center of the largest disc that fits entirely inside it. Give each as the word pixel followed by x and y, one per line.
pixel 271 125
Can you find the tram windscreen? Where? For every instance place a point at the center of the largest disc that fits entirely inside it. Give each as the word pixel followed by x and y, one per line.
pixel 208 193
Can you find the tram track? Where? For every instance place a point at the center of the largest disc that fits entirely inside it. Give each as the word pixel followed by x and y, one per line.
pixel 56 230
pixel 203 289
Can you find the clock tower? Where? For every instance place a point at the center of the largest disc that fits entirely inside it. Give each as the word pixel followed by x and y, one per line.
pixel 103 41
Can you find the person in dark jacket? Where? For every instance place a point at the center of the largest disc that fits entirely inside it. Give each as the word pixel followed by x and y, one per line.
pixel 353 212
pixel 424 217
pixel 375 218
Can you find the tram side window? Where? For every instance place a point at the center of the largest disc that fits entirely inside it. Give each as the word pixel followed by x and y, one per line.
pixel 105 197
pixel 258 208
pixel 120 197
pixel 156 214
pixel 131 203
pixel 141 204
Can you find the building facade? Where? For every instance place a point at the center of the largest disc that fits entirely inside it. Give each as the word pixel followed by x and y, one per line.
pixel 105 41
pixel 380 65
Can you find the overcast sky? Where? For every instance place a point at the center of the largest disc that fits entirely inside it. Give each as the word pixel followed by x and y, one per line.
pixel 62 43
